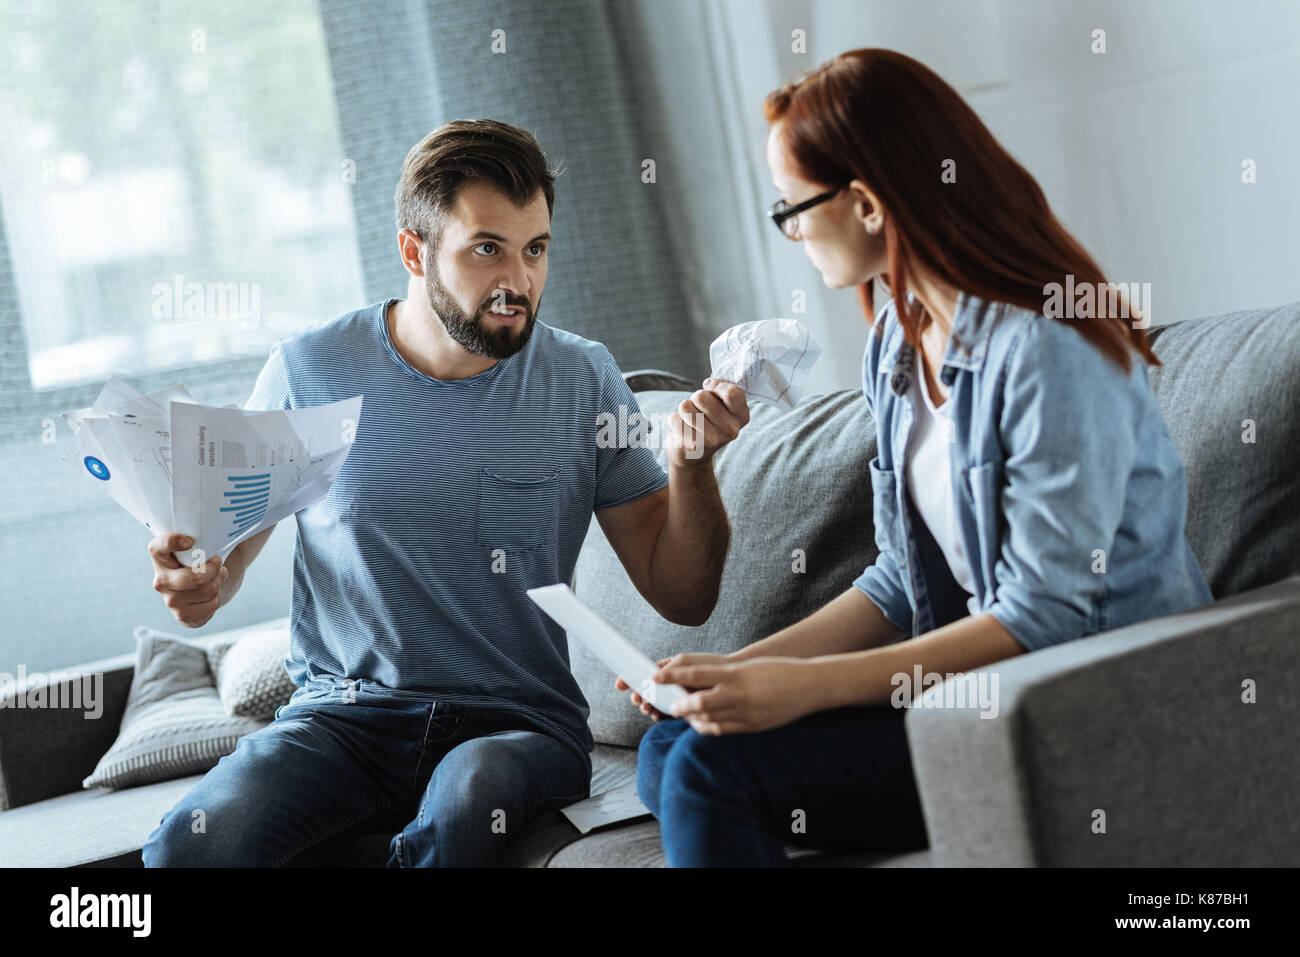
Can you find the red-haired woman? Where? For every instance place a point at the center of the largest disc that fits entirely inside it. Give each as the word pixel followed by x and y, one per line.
pixel 1026 489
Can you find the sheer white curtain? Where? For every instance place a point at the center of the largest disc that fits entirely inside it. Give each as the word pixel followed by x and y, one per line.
pixel 172 200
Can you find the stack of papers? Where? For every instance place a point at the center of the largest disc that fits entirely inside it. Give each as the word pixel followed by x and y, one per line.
pixel 219 475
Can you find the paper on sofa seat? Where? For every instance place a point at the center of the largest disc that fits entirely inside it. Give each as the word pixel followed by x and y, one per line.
pixel 618 806
pixel 769 358
pixel 219 475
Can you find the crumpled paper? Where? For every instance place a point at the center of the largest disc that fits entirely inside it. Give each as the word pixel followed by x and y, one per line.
pixel 769 358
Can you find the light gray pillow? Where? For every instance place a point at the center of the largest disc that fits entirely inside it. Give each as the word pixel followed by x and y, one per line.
pixel 791 480
pixel 174 723
pixel 250 674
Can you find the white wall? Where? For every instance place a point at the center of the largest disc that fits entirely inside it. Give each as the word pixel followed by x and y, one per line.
pixel 1139 149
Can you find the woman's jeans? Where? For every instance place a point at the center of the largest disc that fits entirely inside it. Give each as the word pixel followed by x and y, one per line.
pixel 835 780
pixel 454 784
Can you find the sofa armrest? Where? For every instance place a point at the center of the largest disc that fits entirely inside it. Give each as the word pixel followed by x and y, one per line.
pixel 1135 747
pixel 64 723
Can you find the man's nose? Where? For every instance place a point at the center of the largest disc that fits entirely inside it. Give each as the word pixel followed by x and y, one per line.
pixel 515 278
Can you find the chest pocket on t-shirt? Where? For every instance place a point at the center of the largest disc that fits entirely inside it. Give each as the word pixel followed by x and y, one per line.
pixel 516 511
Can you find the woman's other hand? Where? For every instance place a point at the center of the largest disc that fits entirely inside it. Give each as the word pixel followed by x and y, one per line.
pixel 695 658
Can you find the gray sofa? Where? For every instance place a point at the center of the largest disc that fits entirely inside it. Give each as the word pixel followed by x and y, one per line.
pixel 1174 733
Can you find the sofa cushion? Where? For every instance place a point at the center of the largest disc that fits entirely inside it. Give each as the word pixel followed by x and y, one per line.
pixel 174 723
pixel 88 827
pixel 640 845
pixel 797 491
pixel 1222 378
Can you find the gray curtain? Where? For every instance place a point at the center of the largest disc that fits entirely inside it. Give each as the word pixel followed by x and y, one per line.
pixel 582 77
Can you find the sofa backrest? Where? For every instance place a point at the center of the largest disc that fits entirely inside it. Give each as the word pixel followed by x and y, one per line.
pixel 1229 390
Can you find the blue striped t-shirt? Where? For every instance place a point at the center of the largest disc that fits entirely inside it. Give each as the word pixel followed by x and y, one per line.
pixel 456 497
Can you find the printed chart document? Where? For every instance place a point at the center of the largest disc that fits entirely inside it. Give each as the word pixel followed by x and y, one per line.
pixel 220 475
pixel 237 472
pixel 122 444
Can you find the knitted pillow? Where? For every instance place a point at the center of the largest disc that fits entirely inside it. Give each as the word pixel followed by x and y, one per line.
pixel 250 674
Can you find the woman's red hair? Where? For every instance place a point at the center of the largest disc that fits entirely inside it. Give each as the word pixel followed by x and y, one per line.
pixel 888 120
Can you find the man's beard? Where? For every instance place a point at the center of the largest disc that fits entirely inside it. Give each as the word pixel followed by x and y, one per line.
pixel 474 334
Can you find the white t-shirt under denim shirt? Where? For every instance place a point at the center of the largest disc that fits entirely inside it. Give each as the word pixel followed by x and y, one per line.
pixel 929 481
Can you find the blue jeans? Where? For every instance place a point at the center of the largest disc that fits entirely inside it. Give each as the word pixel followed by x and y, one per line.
pixel 455 784
pixel 837 780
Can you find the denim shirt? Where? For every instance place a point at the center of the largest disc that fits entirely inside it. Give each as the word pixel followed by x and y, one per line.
pixel 1070 493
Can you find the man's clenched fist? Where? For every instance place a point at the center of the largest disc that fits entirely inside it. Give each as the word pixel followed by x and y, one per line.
pixel 705 421
pixel 193 596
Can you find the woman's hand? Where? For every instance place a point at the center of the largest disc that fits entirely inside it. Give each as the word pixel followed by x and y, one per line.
pixel 696 658
pixel 743 696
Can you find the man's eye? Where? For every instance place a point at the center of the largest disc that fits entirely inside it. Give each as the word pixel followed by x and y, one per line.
pixel 540 247
pixel 481 245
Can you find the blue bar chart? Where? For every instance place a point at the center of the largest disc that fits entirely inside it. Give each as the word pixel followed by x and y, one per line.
pixel 246 501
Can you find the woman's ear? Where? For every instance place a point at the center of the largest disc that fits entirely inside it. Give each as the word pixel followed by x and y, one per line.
pixel 867 206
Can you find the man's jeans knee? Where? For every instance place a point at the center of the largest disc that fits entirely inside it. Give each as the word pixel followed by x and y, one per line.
pixel 285 788
pixel 483 793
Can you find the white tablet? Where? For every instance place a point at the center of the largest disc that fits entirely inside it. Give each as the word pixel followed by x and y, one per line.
pixel 618 654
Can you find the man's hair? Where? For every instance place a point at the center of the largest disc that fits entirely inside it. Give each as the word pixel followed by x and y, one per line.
pixel 462 151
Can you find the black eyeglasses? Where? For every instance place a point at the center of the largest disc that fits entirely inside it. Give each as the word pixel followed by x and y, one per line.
pixel 786 216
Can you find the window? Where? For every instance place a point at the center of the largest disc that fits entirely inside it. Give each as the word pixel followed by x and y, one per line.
pixel 172 181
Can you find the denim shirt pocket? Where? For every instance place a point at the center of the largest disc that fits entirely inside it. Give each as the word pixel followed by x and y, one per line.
pixel 884 508
pixel 983 487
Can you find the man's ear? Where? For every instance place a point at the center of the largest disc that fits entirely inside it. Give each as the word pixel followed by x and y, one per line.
pixel 410 247
pixel 867 206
